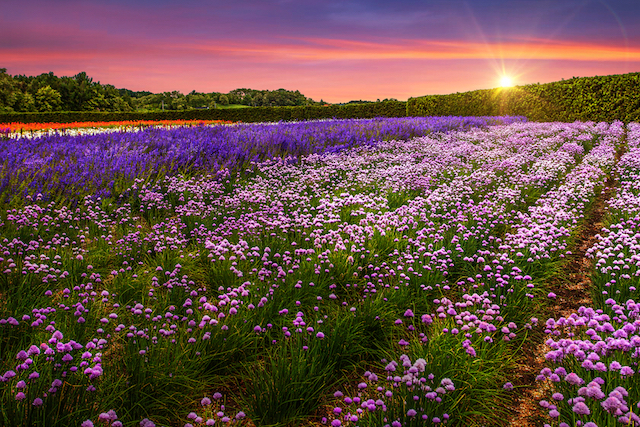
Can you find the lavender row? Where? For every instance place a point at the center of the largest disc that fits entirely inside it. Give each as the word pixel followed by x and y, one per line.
pixel 61 167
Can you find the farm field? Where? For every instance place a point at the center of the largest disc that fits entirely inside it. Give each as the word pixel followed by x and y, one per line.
pixel 31 130
pixel 383 272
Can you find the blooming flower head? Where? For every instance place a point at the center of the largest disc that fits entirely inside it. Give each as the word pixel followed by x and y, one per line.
pixel 626 371
pixel 611 404
pixel 581 408
pixel 573 379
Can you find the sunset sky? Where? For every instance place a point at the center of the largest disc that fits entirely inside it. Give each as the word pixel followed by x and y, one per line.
pixel 331 50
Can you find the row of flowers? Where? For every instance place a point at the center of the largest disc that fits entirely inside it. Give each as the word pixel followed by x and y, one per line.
pixel 32 130
pixel 593 357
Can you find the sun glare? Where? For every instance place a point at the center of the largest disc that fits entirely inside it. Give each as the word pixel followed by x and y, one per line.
pixel 506 81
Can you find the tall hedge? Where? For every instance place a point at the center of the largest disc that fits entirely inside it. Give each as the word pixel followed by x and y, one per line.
pixel 600 98
pixel 247 115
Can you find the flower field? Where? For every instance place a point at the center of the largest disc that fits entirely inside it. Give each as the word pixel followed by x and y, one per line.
pixel 22 130
pixel 384 272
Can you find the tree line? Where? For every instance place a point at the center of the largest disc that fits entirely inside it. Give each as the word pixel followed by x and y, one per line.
pixel 48 93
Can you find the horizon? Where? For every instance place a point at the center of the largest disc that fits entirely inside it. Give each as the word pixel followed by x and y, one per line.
pixel 334 51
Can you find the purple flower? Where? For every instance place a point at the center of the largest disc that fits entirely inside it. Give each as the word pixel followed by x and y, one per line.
pixel 626 371
pixel 205 401
pixel 573 379
pixel 581 409
pixel 411 413
pixel 611 404
pixel 507 386
pixel 37 402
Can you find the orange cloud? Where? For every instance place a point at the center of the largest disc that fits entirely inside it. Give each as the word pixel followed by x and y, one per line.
pixel 315 49
pixel 326 49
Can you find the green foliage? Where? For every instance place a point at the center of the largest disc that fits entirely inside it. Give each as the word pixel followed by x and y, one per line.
pixel 247 115
pixel 600 98
pixel 48 99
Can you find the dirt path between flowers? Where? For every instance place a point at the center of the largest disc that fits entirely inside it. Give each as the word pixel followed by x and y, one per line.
pixel 572 287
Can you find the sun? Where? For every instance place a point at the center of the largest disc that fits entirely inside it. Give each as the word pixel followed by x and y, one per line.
pixel 506 81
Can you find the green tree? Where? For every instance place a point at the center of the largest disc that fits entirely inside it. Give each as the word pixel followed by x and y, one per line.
pixel 197 100
pixel 8 91
pixel 224 100
pixel 48 99
pixel 26 103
